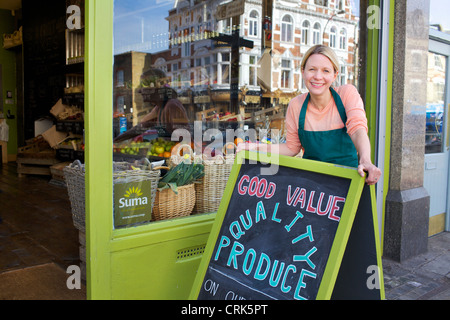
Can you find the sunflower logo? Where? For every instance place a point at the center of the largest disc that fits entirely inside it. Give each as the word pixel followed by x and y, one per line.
pixel 133 191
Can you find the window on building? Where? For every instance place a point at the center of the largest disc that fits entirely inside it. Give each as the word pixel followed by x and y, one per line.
pixel 438 62
pixel 343 75
pixel 161 64
pixel 317 32
pixel 176 80
pixel 253 22
pixel 343 39
pixel 286 28
pixel 321 2
pixel 225 67
pixel 333 36
pixel 305 32
pixel 200 25
pixel 252 70
pixel 227 26
pixel 120 79
pixel 186 52
pixel 285 74
pixel 120 107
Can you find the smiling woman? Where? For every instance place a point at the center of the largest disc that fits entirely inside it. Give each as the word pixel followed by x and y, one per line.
pixel 320 69
pixel 327 124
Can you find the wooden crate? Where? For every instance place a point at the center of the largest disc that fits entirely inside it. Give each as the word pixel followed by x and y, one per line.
pixel 35 158
pixel 38 166
pixel 57 170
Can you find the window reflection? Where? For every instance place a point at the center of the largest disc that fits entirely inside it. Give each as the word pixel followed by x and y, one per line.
pixel 185 64
pixel 183 49
pixel 437 66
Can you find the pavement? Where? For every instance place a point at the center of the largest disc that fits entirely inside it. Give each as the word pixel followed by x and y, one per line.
pixel 424 277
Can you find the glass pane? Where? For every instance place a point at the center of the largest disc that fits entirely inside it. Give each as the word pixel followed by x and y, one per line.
pixel 437 66
pixel 439 15
pixel 189 65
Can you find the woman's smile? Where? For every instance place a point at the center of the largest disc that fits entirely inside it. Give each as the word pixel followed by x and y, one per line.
pixel 319 74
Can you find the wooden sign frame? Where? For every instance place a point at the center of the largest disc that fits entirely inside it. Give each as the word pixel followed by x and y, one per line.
pixel 344 228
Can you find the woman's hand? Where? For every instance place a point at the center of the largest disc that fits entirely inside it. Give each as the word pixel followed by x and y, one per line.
pixel 362 145
pixel 374 173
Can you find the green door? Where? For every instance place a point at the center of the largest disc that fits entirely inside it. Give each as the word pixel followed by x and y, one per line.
pixel 150 261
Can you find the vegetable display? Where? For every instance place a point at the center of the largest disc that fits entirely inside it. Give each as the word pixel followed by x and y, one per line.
pixel 181 175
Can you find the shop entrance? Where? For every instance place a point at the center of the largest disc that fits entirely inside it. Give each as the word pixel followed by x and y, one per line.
pixel 436 176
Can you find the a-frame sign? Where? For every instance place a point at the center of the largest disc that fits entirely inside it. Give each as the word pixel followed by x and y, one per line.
pixel 289 228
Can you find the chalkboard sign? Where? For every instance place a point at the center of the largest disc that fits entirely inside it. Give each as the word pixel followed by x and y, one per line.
pixel 360 274
pixel 281 230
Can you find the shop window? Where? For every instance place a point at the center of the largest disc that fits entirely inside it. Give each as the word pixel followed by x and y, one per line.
pixel 435 110
pixel 190 59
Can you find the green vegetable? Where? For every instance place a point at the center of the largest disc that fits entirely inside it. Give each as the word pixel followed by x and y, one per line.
pixel 181 175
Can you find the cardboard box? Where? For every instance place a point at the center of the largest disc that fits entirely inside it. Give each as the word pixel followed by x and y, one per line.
pixel 58 108
pixel 54 137
pixel 41 125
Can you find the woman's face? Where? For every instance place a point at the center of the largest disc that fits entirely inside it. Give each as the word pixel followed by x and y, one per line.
pixel 318 74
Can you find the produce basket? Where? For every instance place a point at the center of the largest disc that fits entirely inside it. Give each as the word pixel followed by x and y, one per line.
pixel 175 196
pixel 74 175
pixel 209 190
pixel 170 205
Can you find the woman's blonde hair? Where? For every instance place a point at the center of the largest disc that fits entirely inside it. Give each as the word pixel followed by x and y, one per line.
pixel 324 50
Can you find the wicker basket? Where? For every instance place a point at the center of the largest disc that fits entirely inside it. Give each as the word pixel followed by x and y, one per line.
pixel 170 205
pixel 74 176
pixel 209 190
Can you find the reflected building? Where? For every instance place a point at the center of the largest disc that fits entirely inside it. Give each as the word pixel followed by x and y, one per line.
pixel 198 64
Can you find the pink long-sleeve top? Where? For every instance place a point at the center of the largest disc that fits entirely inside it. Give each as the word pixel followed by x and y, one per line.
pixel 327 118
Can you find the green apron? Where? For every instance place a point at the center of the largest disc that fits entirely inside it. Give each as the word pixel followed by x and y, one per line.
pixel 333 146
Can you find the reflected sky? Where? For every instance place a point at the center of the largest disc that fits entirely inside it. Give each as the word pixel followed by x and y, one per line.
pixel 439 13
pixel 141 25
